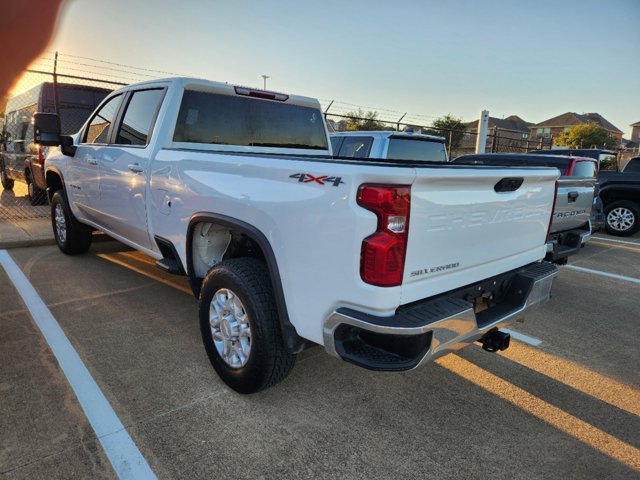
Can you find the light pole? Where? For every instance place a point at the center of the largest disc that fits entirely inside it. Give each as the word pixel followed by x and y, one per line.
pixel 264 81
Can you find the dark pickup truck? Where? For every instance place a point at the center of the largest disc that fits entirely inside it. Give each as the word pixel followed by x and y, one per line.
pixel 619 191
pixel 620 194
pixel 574 211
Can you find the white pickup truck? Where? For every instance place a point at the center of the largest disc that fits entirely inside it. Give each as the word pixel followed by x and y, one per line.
pixel 386 263
pixel 389 144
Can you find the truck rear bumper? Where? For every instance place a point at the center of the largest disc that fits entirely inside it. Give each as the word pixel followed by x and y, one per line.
pixel 564 244
pixel 426 330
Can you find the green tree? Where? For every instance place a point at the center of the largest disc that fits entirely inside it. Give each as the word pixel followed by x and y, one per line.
pixel 361 120
pixel 448 126
pixel 585 136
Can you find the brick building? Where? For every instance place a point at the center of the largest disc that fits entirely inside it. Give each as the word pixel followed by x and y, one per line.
pixel 556 125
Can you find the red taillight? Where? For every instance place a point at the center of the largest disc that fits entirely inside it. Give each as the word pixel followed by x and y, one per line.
pixel 383 253
pixel 553 211
pixel 42 154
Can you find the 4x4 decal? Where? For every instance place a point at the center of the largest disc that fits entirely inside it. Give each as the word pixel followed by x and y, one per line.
pixel 322 180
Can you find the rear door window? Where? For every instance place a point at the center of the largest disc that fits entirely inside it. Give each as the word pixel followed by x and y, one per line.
pixel 356 147
pixel 141 111
pixel 100 125
pixel 401 148
pixel 217 119
pixel 584 168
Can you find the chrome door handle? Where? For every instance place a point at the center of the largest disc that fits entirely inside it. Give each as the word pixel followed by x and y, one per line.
pixel 573 196
pixel 92 161
pixel 136 168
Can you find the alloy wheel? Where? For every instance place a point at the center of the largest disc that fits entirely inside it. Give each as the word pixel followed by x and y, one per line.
pixel 230 328
pixel 61 223
pixel 620 219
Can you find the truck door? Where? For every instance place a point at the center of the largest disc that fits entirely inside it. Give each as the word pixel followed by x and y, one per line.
pixel 83 187
pixel 124 168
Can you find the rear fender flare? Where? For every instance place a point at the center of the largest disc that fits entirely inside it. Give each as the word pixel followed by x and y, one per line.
pixel 292 340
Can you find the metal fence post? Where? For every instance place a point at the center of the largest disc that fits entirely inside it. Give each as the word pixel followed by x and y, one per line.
pixel 494 140
pixel 481 137
pixel 398 122
pixel 55 84
pixel 326 111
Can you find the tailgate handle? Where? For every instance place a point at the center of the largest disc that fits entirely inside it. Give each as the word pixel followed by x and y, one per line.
pixel 573 196
pixel 508 184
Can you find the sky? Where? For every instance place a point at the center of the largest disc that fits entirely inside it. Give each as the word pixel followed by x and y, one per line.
pixel 535 59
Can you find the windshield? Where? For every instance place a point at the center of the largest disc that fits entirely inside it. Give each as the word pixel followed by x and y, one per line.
pixel 413 149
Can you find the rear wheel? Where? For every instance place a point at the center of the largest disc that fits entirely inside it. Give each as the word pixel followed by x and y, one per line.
pixel 7 183
pixel 36 195
pixel 71 236
pixel 240 326
pixel 621 218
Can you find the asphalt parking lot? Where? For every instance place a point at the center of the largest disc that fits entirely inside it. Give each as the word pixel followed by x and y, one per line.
pixel 567 408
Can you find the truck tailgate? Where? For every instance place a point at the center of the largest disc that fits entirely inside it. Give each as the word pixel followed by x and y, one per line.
pixel 573 204
pixel 461 230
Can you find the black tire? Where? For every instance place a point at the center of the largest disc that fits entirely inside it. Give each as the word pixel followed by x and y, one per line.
pixel 7 183
pixel 268 361
pixel 621 218
pixel 76 237
pixel 36 195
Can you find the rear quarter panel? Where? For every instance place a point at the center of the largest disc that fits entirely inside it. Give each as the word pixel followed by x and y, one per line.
pixel 315 230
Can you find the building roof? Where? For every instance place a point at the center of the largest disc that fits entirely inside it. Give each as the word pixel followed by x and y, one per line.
pixel 571 119
pixel 512 122
pixel 637 124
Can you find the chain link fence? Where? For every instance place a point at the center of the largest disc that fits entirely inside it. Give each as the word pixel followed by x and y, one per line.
pixel 458 141
pixel 73 98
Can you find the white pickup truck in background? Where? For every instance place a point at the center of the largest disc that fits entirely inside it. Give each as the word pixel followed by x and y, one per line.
pixel 386 263
pixel 389 144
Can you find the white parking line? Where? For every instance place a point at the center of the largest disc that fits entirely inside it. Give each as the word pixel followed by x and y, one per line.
pixel 126 459
pixel 625 242
pixel 604 274
pixel 521 337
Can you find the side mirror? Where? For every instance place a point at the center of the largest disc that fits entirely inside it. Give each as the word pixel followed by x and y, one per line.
pixel 67 146
pixel 47 129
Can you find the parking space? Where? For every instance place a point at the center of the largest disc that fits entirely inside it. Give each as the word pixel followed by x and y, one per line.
pixel 568 408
